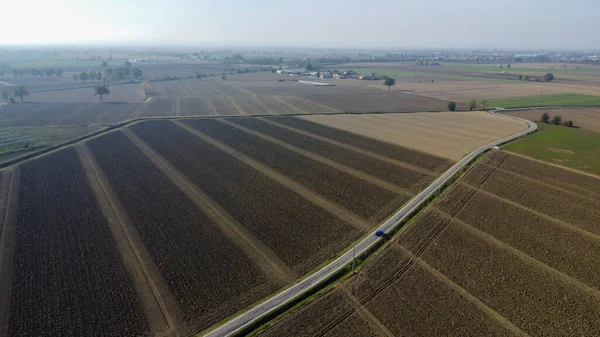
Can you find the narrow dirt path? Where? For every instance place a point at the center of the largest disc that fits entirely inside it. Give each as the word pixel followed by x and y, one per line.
pixel 212 105
pixel 523 257
pixel 329 109
pixel 8 211
pixel 140 109
pixel 356 173
pixel 104 114
pixel 353 148
pixel 342 213
pixel 465 294
pixel 365 313
pixel 159 306
pixel 60 119
pixel 237 106
pixel 294 108
pixel 264 257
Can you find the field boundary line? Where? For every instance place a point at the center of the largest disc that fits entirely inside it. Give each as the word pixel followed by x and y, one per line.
pixel 350 147
pixel 7 243
pixel 256 99
pixel 365 313
pixel 562 223
pixel 319 104
pixel 263 256
pixel 62 118
pixel 321 202
pixel 211 105
pixel 106 113
pixel 535 181
pixel 526 258
pixel 177 106
pixel 135 258
pixel 331 163
pixel 217 91
pixel 239 108
pixel 289 105
pixel 141 108
pixel 493 314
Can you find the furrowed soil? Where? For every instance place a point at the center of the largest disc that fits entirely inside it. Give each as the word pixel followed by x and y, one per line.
pixel 356 195
pixel 511 249
pixel 62 242
pixel 251 197
pixel 209 277
pixel 403 177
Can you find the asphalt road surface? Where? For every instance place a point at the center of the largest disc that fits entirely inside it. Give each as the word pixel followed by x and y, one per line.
pixel 313 280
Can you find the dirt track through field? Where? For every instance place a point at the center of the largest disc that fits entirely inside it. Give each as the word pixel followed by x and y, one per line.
pixel 161 311
pixel 351 148
pixel 374 180
pixel 293 108
pixel 56 122
pixel 237 106
pixel 212 105
pixel 104 114
pixel 327 205
pixel 263 106
pixel 8 212
pixel 460 290
pixel 264 257
pixel 365 313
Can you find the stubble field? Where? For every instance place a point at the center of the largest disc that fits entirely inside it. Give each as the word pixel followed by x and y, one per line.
pixel 506 251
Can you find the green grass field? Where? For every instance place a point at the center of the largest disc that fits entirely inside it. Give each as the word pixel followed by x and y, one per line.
pixel 408 74
pixel 575 148
pixel 490 67
pixel 547 100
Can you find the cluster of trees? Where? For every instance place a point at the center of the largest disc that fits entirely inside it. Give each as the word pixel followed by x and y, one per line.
pixel 548 77
pixel 20 92
pixel 524 78
pixel 473 104
pixel 556 120
pixel 110 75
pixel 35 72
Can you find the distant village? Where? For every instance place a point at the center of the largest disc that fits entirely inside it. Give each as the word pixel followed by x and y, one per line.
pixel 330 75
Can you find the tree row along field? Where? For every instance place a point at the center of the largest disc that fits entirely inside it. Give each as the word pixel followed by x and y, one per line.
pixel 168 227
pixel 499 254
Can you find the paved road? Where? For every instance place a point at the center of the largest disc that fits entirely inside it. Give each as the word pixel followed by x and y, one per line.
pixel 299 288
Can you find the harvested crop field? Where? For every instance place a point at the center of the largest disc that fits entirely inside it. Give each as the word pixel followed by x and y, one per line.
pixel 192 220
pixel 427 132
pixel 588 119
pixel 508 250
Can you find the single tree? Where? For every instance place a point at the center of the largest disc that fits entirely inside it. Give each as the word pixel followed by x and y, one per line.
pixel 75 77
pixel 318 74
pixel 451 106
pixel 59 73
pixel 98 76
pixel 549 77
pixel 556 120
pixel 21 91
pixel 568 124
pixel 83 77
pixel 545 118
pixel 520 77
pixel 508 66
pixel 389 82
pixel 223 77
pixel 104 64
pixel 472 104
pixel 101 90
pixel 484 104
pixel 146 88
pixel 92 75
pixel 15 73
pixel 309 67
pixel 49 72
pixel 527 78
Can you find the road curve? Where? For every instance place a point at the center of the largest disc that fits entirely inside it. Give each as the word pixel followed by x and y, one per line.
pixel 314 279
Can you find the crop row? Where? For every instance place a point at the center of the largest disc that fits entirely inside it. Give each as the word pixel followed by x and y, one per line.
pixel 395 174
pixel 535 236
pixel 420 159
pixel 579 211
pixel 68 279
pixel 207 274
pixel 552 175
pixel 299 232
pixel 534 298
pixel 359 196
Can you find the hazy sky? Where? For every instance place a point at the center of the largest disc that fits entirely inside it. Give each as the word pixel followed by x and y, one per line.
pixel 529 24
